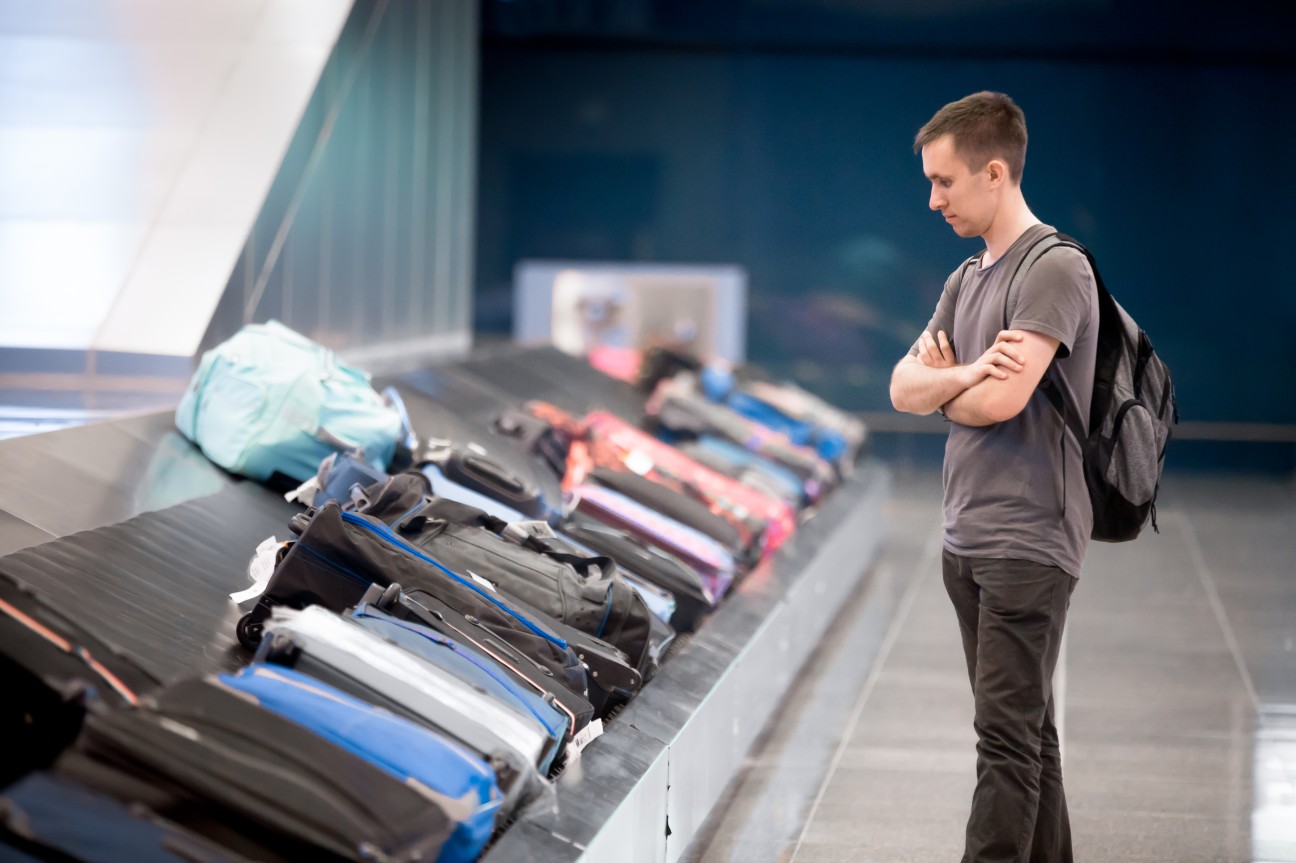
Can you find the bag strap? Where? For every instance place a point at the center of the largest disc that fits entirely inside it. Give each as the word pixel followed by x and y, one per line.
pixel 1037 250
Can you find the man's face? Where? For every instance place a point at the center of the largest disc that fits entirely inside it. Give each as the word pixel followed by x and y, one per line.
pixel 962 197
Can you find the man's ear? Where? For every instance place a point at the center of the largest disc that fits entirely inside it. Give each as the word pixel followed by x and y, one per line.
pixel 997 171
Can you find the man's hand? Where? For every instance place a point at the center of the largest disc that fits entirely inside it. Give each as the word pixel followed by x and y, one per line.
pixel 926 381
pixel 1004 356
pixel 936 353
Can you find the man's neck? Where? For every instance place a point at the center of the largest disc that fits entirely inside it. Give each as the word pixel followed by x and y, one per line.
pixel 1013 220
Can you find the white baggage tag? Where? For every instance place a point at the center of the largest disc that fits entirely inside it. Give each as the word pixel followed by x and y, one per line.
pixel 583 738
pixel 305 493
pixel 260 568
pixel 482 581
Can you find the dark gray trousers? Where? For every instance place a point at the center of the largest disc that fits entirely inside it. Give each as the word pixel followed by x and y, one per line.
pixel 1011 614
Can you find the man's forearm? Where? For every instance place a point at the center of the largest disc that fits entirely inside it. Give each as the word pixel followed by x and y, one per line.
pixel 920 389
pixel 969 407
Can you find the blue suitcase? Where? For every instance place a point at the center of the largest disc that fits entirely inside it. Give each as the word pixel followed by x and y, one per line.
pixel 464 784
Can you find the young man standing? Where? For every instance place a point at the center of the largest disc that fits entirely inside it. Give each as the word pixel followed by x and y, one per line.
pixel 1016 513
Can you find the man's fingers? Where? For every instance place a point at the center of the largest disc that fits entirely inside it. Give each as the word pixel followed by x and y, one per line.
pixel 1010 336
pixel 945 347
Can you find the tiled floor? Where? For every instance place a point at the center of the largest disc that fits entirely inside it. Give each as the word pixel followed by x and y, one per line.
pixel 1177 696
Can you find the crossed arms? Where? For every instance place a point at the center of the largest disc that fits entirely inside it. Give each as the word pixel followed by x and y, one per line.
pixel 993 388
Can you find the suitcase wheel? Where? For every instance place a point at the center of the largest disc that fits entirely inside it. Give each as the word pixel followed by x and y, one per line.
pixel 249 631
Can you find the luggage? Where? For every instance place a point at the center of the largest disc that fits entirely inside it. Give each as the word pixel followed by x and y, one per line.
pixel 724 495
pixel 348 656
pixel 687 510
pixel 660 601
pixel 480 672
pixel 269 400
pixel 695 594
pixel 338 555
pixel 785 407
pixel 681 411
pixel 697 550
pixel 748 468
pixel 491 478
pixel 48 817
pixel 566 689
pixel 214 760
pixel 49 669
pixel 585 592
pixel 459 782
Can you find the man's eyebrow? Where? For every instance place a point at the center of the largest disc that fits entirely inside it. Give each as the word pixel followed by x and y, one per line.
pixel 936 175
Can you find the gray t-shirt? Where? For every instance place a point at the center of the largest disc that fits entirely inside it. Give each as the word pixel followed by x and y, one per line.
pixel 1005 494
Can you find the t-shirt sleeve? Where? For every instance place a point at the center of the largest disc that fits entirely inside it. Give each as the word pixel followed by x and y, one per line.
pixel 1056 297
pixel 943 317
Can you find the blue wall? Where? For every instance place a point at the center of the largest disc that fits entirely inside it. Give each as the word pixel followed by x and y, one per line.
pixel 798 165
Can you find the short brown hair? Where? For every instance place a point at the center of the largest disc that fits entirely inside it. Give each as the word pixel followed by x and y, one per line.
pixel 984 126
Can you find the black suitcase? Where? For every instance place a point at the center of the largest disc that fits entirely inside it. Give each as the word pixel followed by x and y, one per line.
pixel 338 555
pixel 525 561
pixel 693 599
pixel 212 760
pixel 49 667
pixel 425 609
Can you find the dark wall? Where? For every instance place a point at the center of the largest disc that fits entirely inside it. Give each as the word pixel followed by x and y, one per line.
pixel 792 157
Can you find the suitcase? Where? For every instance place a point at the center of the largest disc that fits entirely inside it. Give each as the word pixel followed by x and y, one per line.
pixel 724 494
pixel 699 551
pixel 346 655
pixel 567 692
pixel 49 668
pixel 48 817
pixel 681 411
pixel 214 760
pixel 695 594
pixel 461 782
pixel 750 469
pixel 338 555
pixel 524 560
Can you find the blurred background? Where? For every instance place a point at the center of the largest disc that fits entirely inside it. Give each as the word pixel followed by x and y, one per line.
pixel 373 172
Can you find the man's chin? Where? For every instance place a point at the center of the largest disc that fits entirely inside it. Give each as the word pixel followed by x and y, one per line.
pixel 964 230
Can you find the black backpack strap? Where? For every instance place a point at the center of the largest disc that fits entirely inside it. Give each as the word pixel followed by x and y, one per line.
pixel 1037 250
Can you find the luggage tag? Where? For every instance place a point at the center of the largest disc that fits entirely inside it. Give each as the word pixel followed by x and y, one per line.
pixel 583 738
pixel 260 568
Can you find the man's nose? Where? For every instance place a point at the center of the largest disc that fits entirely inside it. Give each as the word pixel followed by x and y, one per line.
pixel 936 201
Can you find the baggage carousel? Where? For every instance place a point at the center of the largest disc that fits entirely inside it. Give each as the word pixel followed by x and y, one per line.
pixel 128 529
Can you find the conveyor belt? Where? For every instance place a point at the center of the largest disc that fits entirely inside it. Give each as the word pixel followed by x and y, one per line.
pixel 550 375
pixel 156 587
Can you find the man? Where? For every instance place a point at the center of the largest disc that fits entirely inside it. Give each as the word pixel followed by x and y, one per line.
pixel 1016 513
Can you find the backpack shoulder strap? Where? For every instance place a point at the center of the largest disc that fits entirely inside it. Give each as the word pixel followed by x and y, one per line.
pixel 963 271
pixel 1037 250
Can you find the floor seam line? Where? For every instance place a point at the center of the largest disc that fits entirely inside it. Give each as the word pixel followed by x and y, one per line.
pixel 1217 607
pixel 930 553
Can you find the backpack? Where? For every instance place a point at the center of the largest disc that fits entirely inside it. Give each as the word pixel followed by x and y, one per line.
pixel 1130 415
pixel 270 400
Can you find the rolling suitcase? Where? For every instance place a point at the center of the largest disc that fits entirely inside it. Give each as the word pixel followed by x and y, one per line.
pixel 339 554
pixel 567 692
pixel 524 560
pixel 695 594
pixel 214 760
pixel 699 551
pixel 45 816
pixel 461 784
pixel 49 668
pixel 342 653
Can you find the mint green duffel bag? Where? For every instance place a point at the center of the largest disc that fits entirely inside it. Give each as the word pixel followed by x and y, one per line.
pixel 269 399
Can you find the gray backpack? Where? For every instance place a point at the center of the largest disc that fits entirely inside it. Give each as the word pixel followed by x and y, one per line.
pixel 1130 416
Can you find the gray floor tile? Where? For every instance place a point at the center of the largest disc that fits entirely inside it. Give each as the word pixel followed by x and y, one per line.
pixel 1162 747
